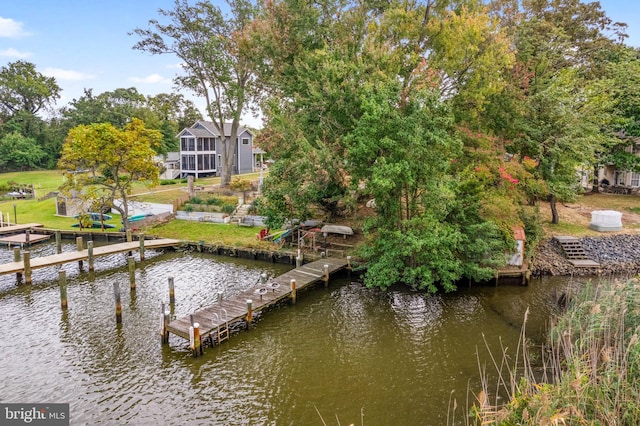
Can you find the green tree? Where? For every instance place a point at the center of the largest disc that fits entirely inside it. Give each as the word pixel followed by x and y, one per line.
pixel 19 153
pixel 216 60
pixel 22 88
pixel 554 108
pixel 102 162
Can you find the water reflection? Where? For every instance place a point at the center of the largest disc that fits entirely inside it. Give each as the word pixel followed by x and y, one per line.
pixel 395 356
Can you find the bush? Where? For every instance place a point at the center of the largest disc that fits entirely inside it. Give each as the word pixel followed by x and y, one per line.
pixel 214 201
pixel 228 208
pixel 188 208
pixel 195 200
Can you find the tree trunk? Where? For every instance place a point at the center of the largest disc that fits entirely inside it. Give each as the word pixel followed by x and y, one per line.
pixel 594 182
pixel 554 210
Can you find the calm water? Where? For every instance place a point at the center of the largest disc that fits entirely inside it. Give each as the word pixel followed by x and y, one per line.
pixel 395 357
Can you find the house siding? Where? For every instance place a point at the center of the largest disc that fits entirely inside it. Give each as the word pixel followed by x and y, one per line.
pixel 199 166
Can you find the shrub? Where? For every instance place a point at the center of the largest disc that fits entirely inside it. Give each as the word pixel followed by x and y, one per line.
pixel 214 201
pixel 188 208
pixel 195 200
pixel 228 208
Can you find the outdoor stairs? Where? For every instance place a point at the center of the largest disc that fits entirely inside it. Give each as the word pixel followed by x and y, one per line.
pixel 240 213
pixel 574 252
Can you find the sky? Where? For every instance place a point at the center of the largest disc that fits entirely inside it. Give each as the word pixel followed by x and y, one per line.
pixel 86 43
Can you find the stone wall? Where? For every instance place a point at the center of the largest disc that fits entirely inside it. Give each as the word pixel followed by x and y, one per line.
pixel 617 254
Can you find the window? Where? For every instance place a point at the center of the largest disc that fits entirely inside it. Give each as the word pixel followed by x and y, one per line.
pixel 245 141
pixel 635 179
pixel 188 162
pixel 187 144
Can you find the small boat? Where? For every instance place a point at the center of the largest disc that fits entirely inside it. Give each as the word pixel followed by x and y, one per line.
pixel 96 225
pixel 138 217
pixel 337 229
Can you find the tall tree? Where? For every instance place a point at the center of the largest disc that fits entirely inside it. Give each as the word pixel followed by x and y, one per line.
pixel 216 60
pixel 22 88
pixel 554 108
pixel 102 162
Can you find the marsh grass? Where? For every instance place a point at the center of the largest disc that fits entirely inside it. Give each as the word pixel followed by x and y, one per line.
pixel 590 369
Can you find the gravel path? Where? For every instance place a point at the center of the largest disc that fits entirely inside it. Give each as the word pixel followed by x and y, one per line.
pixel 617 254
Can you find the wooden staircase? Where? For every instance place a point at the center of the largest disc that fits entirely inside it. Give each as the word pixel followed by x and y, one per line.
pixel 574 252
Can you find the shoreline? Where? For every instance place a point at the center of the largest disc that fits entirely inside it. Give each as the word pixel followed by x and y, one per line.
pixel 617 254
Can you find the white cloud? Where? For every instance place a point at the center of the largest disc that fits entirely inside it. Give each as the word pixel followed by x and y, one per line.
pixel 67 75
pixel 13 53
pixel 179 65
pixel 10 28
pixel 152 79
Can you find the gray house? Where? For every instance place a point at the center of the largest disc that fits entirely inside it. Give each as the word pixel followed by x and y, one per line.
pixel 201 150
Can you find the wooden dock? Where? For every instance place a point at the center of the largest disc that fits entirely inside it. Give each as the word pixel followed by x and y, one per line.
pixel 20 240
pixel 75 256
pixel 14 229
pixel 216 318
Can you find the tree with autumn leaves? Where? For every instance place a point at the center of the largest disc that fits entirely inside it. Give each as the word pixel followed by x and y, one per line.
pixel 100 163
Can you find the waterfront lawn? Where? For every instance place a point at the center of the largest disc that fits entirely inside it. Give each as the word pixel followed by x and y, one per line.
pixel 213 233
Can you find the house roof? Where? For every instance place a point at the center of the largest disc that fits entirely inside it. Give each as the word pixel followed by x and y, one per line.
pixel 207 129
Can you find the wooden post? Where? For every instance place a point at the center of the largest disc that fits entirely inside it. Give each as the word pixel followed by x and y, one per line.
pixel 128 233
pixel 293 290
pixel 16 258
pixel 249 312
pixel 58 241
pixel 165 318
pixel 79 247
pixel 194 338
pixel 141 239
pixel 27 267
pixel 27 237
pixel 349 267
pixel 172 291
pixel 116 293
pixel 62 279
pixel 132 272
pixel 325 268
pixel 90 255
pixel 299 259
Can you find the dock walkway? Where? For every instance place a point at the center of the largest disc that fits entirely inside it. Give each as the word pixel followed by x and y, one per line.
pixel 233 309
pixel 74 256
pixel 13 229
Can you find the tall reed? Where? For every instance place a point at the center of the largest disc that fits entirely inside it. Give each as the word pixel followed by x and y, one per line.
pixel 589 372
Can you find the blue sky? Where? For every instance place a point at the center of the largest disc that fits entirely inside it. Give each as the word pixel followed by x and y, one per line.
pixel 84 43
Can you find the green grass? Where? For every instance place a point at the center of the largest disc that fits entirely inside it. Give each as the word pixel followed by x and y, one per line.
pixel 212 233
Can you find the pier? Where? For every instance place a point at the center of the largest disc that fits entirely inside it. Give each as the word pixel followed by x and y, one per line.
pixel 80 255
pixel 212 322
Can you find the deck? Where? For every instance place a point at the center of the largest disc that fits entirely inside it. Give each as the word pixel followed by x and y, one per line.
pixel 14 229
pixel 74 256
pixel 277 289
pixel 21 239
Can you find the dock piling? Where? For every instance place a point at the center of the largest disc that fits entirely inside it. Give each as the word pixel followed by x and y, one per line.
pixel 116 293
pixel 128 234
pixel 194 339
pixel 249 313
pixel 349 267
pixel 132 272
pixel 172 291
pixel 90 255
pixel 79 247
pixel 141 239
pixel 293 290
pixel 325 278
pixel 165 318
pixel 26 257
pixel 16 258
pixel 27 237
pixel 58 241
pixel 62 279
